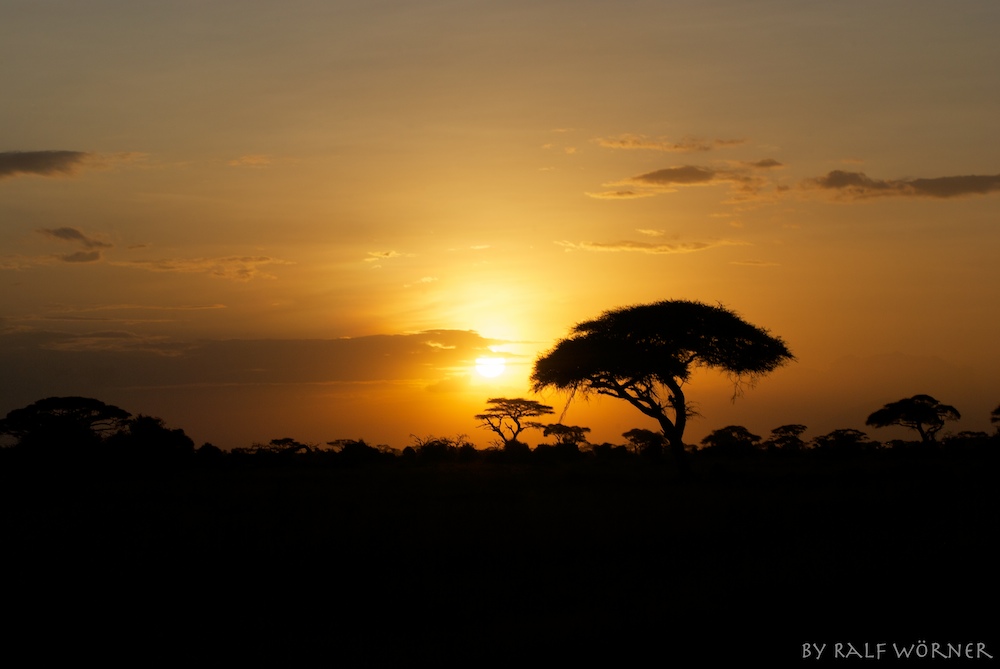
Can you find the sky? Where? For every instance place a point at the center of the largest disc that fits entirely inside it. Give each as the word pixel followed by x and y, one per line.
pixel 310 218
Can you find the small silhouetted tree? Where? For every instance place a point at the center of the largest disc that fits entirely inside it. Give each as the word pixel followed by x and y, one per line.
pixel 786 438
pixel 645 354
pixel 966 440
pixel 566 434
pixel 995 417
pixel 645 442
pixel 568 439
pixel 845 441
pixel 732 440
pixel 508 417
pixel 356 452
pixel 922 413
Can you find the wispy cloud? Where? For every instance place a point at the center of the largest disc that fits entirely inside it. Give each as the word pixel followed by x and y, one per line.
pixel 237 268
pixel 120 313
pixel 685 175
pixel 686 145
pixel 41 163
pixel 644 247
pixel 755 263
pixel 72 235
pixel 746 180
pixel 765 164
pixel 144 361
pixel 627 194
pixel 375 256
pixel 81 256
pixel 858 185
pixel 116 341
pixel 422 280
pixel 251 160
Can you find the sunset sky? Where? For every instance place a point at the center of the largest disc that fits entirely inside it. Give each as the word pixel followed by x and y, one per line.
pixel 308 219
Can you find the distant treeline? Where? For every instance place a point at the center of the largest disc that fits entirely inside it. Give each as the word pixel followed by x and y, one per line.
pixel 77 431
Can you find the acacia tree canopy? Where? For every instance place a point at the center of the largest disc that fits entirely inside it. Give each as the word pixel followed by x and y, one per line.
pixel 505 416
pixel 644 354
pixel 922 413
pixel 62 421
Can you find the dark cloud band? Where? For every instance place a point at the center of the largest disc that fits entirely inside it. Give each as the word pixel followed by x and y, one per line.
pixel 858 185
pixel 43 163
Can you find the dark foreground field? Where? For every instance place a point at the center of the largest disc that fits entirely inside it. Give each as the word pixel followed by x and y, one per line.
pixel 497 564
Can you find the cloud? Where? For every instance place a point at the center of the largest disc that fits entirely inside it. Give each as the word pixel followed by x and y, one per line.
pixel 858 185
pixel 685 175
pixel 129 314
pixel 621 195
pixel 755 263
pixel 42 163
pixel 73 235
pixel 765 164
pixel 251 160
pixel 237 268
pixel 651 233
pixel 423 280
pixel 644 247
pixel 375 256
pixel 743 178
pixel 115 341
pixel 686 145
pixel 81 256
pixel 137 361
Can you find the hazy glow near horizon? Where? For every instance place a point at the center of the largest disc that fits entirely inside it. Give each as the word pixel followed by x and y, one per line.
pixel 317 220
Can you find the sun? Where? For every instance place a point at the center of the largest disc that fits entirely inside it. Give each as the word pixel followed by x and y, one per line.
pixel 490 367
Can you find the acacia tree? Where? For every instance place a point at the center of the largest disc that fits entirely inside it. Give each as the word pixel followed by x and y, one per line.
pixel 506 417
pixel 844 441
pixel 63 423
pixel 922 413
pixel 568 435
pixel 734 440
pixel 787 437
pixel 645 354
pixel 644 442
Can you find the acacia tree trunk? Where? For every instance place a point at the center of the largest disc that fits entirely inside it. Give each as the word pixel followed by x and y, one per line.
pixel 673 431
pixel 675 440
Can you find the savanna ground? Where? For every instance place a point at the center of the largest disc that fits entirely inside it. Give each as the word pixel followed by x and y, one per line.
pixel 497 563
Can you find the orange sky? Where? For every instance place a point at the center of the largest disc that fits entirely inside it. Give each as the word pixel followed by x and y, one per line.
pixel 308 219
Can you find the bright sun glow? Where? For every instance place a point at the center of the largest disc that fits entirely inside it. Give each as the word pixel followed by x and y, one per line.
pixel 490 367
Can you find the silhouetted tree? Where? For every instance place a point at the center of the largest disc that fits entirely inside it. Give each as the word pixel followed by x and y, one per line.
pixel 148 439
pixel 210 455
pixel 845 441
pixel 63 424
pixel 443 449
pixel 645 354
pixel 732 440
pixel 644 442
pixel 786 438
pixel 356 452
pixel 995 417
pixel 566 434
pixel 922 413
pixel 567 442
pixel 966 440
pixel 506 417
